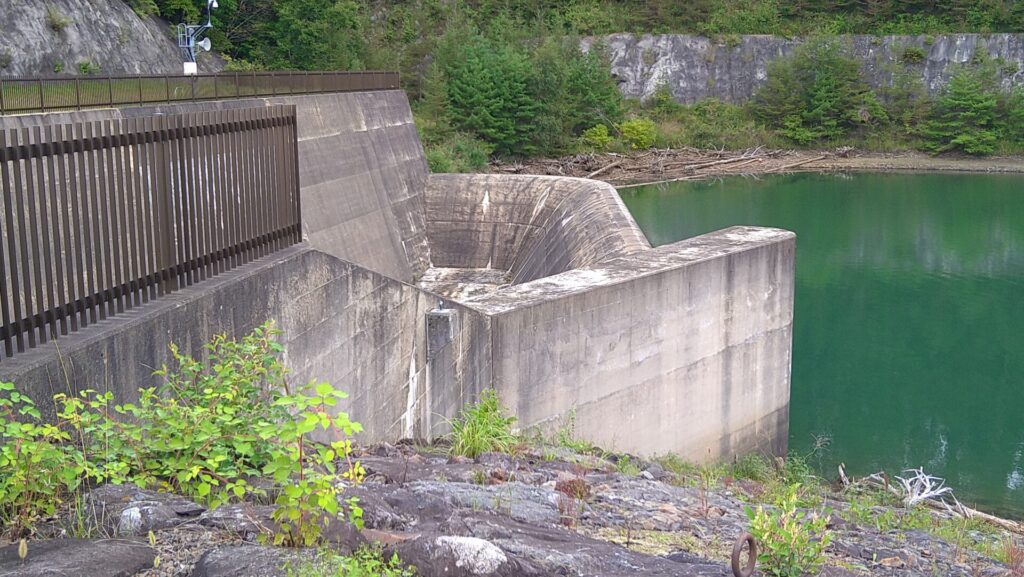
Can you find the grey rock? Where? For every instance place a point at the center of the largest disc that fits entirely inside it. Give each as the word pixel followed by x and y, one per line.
pixel 249 561
pixel 697 67
pixel 107 34
pixel 520 502
pixel 78 557
pixel 126 510
pixel 246 520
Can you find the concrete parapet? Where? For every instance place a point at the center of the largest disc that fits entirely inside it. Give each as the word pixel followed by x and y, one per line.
pixel 684 348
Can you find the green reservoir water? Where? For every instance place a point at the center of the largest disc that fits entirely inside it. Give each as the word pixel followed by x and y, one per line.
pixel 909 326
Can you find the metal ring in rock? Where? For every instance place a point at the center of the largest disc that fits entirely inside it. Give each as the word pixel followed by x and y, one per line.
pixel 737 554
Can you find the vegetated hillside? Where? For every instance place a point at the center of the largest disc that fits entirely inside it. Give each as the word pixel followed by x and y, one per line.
pixel 84 37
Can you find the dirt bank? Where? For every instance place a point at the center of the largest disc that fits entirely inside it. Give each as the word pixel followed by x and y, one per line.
pixel 691 164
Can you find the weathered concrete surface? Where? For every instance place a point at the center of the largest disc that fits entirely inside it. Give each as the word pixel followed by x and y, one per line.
pixel 355 328
pixel 362 172
pixel 106 33
pixel 542 287
pixel 684 348
pixel 530 226
pixel 730 69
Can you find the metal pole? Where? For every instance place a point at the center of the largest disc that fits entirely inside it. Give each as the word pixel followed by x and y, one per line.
pixel 78 94
pixel 110 89
pixel 3 109
pixel 140 90
pixel 42 105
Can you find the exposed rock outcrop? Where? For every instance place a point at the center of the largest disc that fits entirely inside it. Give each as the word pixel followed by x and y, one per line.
pixel 59 36
pixel 731 68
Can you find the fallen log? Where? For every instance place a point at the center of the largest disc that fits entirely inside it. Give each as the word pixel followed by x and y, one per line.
pixel 798 163
pixel 605 169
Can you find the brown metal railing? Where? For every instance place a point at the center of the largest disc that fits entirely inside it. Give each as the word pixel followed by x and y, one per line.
pixel 100 217
pixel 20 95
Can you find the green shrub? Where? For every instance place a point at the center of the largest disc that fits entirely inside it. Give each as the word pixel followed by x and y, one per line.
pixel 745 17
pixel 56 21
pixel 912 55
pixel 38 470
pixel 638 133
pixel 817 94
pixel 482 428
pixel 88 67
pixel 365 562
pixel 597 137
pixel 204 433
pixel 791 543
pixel 963 118
pixel 457 153
pixel 5 59
pixel 144 8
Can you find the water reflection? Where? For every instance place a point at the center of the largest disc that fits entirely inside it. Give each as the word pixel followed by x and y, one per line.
pixel 908 346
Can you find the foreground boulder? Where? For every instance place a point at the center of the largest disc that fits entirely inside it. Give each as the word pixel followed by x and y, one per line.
pixel 126 510
pixel 77 557
pixel 250 561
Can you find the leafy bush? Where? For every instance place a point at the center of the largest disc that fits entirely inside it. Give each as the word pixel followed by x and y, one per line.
pixel 459 152
pixel 639 133
pixel 364 562
pixel 204 432
pixel 597 137
pixel 482 428
pixel 791 543
pixel 88 67
pixel 817 94
pixel 912 55
pixel 964 116
pixel 37 469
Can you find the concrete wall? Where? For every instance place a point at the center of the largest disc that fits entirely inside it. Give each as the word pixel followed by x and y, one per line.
pixel 357 329
pixel 684 348
pixel 531 226
pixel 731 69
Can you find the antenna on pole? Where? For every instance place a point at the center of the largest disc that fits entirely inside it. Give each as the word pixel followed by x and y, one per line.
pixel 188 39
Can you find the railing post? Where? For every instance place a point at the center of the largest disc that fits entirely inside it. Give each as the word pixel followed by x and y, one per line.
pixel 42 102
pixel 167 87
pixel 140 90
pixel 3 108
pixel 238 86
pixel 110 90
pixel 78 94
pixel 193 77
pixel 273 84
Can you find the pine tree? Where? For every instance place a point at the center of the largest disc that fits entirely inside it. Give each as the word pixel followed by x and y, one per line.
pixel 964 117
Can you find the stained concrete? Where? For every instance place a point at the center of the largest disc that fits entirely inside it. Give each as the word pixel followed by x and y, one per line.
pixel 732 68
pixel 416 292
pixel 530 226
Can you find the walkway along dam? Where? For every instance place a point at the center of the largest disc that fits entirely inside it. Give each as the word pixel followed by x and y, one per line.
pixel 412 291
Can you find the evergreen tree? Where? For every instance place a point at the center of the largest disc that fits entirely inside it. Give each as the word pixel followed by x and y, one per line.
pixel 964 116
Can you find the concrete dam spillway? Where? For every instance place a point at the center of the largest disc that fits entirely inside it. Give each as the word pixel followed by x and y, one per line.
pixel 416 291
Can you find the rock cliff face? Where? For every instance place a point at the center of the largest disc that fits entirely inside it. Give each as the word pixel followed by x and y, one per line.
pixel 57 36
pixel 731 69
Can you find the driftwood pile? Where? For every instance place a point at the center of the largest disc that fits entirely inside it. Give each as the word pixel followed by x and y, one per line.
pixel 647 167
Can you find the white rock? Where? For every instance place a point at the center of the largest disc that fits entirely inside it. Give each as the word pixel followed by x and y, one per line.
pixel 475 555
